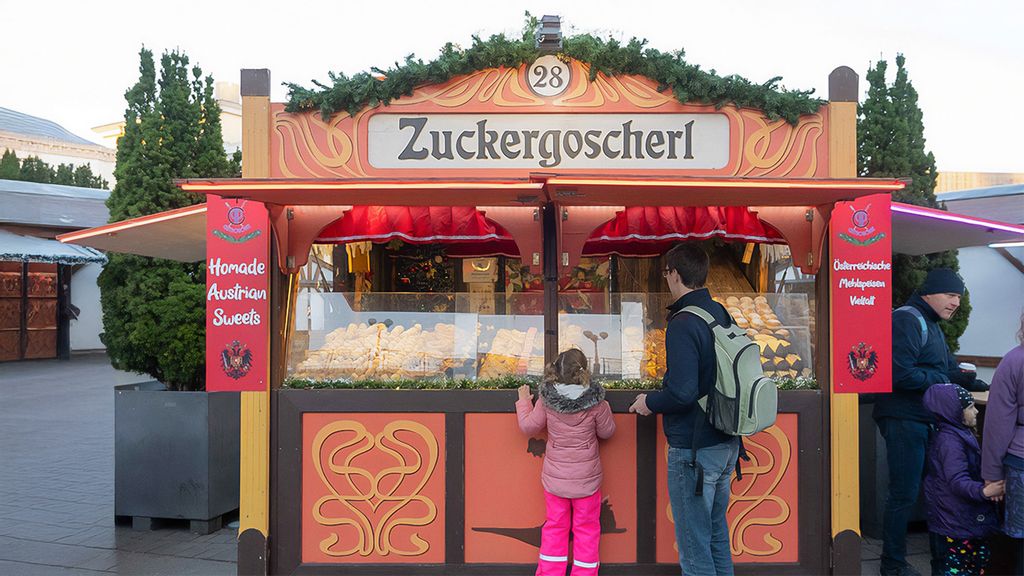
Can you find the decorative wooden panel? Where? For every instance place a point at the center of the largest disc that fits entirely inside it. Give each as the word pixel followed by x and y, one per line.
pixel 763 511
pixel 501 460
pixel 41 344
pixel 10 284
pixel 10 313
pixel 373 488
pixel 10 345
pixel 42 313
pixel 42 285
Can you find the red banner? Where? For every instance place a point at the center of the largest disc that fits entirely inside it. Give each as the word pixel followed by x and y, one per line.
pixel 237 295
pixel 861 288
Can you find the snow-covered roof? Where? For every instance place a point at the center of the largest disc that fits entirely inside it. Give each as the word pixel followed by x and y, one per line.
pixel 32 203
pixel 33 249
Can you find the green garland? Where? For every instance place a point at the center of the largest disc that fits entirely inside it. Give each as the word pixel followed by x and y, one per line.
pixel 686 81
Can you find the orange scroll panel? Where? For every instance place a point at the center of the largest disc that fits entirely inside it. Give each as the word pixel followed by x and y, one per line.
pixel 505 499
pixel 762 514
pixel 373 488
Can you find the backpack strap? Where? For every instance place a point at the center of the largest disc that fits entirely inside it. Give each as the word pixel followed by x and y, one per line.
pixel 712 324
pixel 920 320
pixel 702 314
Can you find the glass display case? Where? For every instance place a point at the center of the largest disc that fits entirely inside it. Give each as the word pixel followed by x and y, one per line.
pixel 413 336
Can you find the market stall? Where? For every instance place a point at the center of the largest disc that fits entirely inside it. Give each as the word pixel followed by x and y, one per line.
pixel 581 191
pixel 582 266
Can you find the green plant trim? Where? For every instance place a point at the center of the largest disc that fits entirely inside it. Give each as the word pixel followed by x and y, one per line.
pixel 687 82
pixel 798 383
pixel 506 383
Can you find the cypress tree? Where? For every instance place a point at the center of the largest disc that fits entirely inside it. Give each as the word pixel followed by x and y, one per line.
pixel 154 313
pixel 10 166
pixel 84 177
pixel 65 175
pixel 33 169
pixel 891 144
pixel 36 170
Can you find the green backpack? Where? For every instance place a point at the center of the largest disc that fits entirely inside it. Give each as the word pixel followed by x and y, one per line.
pixel 744 401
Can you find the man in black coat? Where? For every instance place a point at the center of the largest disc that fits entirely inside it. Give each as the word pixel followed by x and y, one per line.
pixel 700 458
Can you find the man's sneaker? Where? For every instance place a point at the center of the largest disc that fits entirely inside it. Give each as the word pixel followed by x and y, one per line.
pixel 905 570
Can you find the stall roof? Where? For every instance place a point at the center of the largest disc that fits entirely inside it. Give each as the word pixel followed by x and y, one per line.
pixel 54 205
pixel 181 234
pixel 575 190
pixel 986 192
pixel 374 191
pixel 646 191
pixel 34 249
pixel 917 230
pixel 176 235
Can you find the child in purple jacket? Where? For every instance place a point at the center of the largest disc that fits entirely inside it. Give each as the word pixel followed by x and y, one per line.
pixel 961 509
pixel 576 415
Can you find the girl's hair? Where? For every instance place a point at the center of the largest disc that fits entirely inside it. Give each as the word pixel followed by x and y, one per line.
pixel 569 368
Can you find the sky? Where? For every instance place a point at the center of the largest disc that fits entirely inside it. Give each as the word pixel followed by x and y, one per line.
pixel 71 62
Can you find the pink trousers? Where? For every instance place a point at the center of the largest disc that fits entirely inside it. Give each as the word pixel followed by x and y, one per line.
pixel 583 517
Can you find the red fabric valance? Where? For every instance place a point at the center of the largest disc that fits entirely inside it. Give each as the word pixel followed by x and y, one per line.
pixel 464 228
pixel 651 230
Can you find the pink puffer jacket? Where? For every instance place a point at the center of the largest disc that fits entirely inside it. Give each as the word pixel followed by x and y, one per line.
pixel 572 464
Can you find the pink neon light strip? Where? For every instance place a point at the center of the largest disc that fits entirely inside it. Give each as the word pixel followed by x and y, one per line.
pixel 940 215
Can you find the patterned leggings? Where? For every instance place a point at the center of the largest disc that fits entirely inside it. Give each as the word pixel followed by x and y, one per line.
pixel 958 557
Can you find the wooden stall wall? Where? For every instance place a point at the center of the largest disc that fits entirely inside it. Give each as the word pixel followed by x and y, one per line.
pixel 443 482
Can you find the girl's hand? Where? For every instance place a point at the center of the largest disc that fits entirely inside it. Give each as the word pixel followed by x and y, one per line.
pixel 524 392
pixel 994 490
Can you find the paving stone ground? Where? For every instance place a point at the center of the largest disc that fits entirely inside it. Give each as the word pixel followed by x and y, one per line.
pixel 917 553
pixel 57 481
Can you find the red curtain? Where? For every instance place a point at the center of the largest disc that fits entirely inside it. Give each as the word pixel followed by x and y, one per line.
pixel 464 228
pixel 651 230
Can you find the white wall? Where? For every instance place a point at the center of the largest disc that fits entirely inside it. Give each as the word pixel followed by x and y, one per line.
pixel 85 294
pixel 997 300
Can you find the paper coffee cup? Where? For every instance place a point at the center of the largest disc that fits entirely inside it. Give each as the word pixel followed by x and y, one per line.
pixel 968 367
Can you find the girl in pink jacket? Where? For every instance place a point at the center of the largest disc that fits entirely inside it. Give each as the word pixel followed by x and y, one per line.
pixel 575 413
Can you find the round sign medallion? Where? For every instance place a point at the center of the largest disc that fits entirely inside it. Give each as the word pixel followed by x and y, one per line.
pixel 548 76
pixel 236 215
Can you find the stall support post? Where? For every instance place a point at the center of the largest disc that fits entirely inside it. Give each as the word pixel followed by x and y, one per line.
pixel 551 247
pixel 845 448
pixel 254 453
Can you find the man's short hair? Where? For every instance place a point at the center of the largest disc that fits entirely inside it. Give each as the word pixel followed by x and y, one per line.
pixel 691 262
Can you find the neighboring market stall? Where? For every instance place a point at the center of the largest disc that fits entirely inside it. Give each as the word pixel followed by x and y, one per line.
pixel 465 233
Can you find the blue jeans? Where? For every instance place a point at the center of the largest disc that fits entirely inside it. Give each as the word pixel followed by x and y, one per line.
pixel 906 442
pixel 702 533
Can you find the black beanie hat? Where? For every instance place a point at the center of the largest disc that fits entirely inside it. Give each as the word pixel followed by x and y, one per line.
pixel 942 281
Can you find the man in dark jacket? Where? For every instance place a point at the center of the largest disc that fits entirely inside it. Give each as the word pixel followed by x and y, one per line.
pixel 920 358
pixel 700 458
